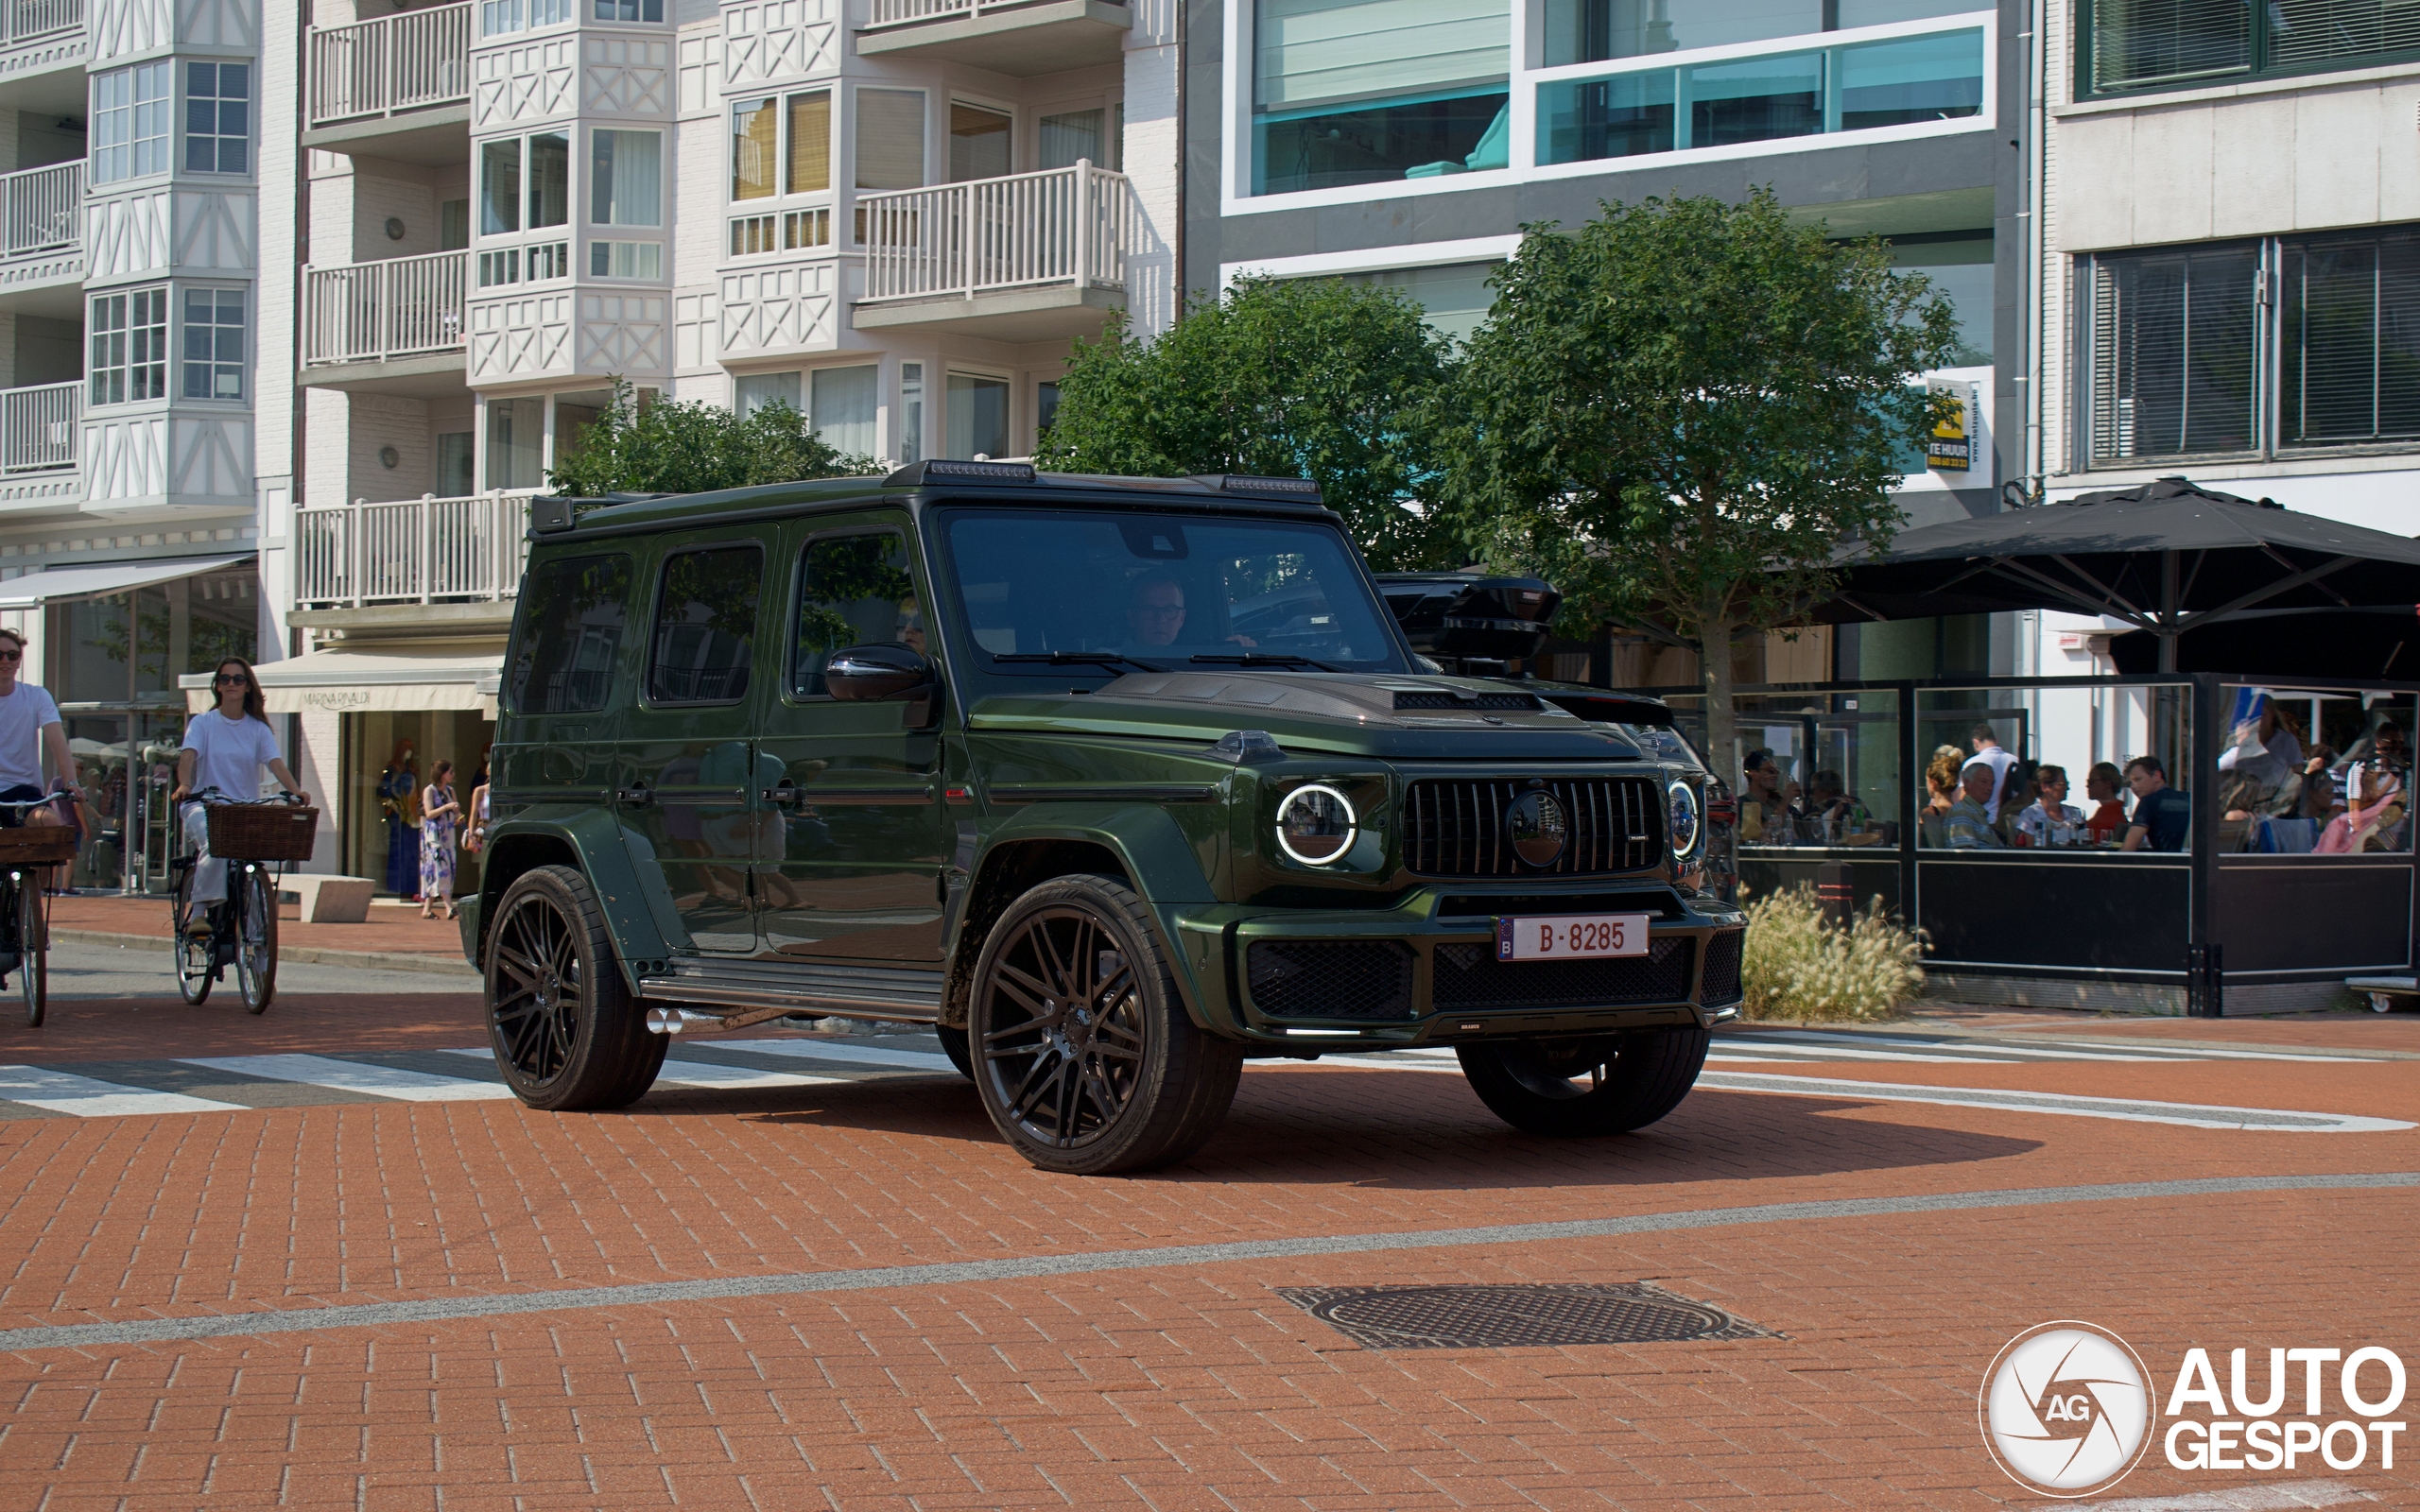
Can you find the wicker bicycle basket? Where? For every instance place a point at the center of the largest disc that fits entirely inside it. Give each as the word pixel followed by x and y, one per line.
pixel 262 832
pixel 37 845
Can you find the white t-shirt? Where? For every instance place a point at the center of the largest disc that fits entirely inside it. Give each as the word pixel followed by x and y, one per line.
pixel 230 753
pixel 23 714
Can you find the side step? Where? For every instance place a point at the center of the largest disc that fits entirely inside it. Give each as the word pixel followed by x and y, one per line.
pixel 798 987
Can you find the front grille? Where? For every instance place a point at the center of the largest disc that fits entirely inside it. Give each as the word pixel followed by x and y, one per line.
pixel 1367 979
pixel 1454 828
pixel 1524 702
pixel 1723 969
pixel 1470 976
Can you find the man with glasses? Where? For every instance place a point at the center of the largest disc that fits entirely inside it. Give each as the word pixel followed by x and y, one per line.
pixel 29 728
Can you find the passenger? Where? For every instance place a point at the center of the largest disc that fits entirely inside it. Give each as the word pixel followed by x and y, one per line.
pixel 2163 815
pixel 1969 824
pixel 2100 786
pixel 1988 751
pixel 1940 787
pixel 2049 819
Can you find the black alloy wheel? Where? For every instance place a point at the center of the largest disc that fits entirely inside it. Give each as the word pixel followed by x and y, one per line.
pixel 1086 1059
pixel 33 943
pixel 194 969
pixel 566 1033
pixel 254 912
pixel 1586 1085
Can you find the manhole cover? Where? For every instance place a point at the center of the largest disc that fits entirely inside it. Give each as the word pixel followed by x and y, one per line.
pixel 1498 1317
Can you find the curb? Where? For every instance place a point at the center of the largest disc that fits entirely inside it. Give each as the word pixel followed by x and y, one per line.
pixel 308 954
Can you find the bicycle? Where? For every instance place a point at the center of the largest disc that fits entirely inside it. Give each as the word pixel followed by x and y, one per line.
pixel 26 854
pixel 250 836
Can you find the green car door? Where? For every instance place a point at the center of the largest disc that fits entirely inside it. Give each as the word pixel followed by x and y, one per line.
pixel 686 781
pixel 853 867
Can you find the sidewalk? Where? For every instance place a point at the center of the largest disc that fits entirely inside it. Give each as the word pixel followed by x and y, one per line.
pixel 394 937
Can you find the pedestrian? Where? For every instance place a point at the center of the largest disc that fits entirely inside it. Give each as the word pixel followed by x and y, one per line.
pixel 439 817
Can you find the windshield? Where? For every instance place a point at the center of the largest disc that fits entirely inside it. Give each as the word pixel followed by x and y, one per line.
pixel 1128 592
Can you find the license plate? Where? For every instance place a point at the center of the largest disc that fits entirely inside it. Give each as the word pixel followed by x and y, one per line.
pixel 1570 936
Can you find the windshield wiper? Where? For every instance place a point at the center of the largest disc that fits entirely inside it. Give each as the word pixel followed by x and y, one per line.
pixel 1070 659
pixel 1263 659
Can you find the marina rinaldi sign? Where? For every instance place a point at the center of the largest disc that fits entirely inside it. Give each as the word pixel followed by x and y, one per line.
pixel 2068 1408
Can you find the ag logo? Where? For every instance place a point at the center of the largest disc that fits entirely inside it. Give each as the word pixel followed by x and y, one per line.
pixel 2065 1409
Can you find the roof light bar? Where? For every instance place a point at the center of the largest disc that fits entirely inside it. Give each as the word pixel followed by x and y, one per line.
pixel 937 470
pixel 1302 488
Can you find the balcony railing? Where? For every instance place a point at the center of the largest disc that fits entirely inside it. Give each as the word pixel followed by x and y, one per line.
pixel 897 13
pixel 406 62
pixel 415 551
pixel 38 429
pixel 28 19
pixel 1072 226
pixel 373 312
pixel 41 210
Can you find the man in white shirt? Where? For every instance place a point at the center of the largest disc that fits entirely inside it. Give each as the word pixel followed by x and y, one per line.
pixel 29 728
pixel 1987 751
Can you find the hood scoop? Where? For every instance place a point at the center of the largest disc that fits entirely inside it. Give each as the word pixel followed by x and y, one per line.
pixel 1444 698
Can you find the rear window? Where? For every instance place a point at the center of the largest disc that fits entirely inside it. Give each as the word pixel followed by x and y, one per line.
pixel 705 625
pixel 572 612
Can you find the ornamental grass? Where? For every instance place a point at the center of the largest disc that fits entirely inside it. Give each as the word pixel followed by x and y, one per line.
pixel 1797 967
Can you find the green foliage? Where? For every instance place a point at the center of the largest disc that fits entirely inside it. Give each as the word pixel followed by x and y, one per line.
pixel 1798 967
pixel 1338 382
pixel 673 447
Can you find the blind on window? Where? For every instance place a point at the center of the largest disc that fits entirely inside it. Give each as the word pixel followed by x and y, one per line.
pixel 810 164
pixel 890 139
pixel 2172 353
pixel 1321 52
pixel 754 126
pixel 2311 31
pixel 2135 42
pixel 2351 341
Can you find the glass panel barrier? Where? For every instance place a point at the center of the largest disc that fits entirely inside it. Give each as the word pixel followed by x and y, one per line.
pixel 2313 771
pixel 1811 769
pixel 2054 766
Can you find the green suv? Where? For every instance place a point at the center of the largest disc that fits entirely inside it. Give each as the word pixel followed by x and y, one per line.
pixel 1113 783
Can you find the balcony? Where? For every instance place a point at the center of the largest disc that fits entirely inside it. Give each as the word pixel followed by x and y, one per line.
pixel 395 87
pixel 43 38
pixel 1030 257
pixel 42 240
pixel 415 551
pixel 1019 37
pixel 41 443
pixel 389 327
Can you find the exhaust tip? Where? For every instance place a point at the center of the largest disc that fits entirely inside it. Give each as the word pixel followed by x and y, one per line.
pixel 665 1021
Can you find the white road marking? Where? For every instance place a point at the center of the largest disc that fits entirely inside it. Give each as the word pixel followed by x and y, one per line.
pixel 61 1092
pixel 859 1055
pixel 358 1077
pixel 683 1073
pixel 2290 1497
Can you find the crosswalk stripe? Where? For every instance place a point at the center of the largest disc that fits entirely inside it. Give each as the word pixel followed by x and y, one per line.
pixel 860 1055
pixel 357 1076
pixel 685 1073
pixel 62 1092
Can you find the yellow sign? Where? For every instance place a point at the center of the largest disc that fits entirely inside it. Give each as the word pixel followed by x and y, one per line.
pixel 1950 448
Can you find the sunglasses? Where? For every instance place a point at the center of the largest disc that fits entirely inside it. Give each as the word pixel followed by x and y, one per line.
pixel 12 655
pixel 236 679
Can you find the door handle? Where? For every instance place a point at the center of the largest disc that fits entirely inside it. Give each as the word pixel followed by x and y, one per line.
pixel 783 797
pixel 638 797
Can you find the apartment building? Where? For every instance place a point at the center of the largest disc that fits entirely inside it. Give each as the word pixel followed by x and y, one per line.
pixel 892 216
pixel 2230 266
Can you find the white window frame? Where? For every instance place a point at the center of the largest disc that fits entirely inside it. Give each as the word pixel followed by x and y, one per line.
pixel 169 354
pixel 1234 188
pixel 251 116
pixel 164 69
pixel 787 210
pixel 526 255
pixel 584 167
pixel 180 301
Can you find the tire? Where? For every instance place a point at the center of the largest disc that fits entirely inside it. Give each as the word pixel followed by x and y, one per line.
pixel 954 1045
pixel 565 1032
pixel 1587 1086
pixel 33 945
pixel 1149 1087
pixel 255 937
pixel 192 956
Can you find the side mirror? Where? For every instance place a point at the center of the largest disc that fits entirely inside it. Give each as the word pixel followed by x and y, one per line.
pixel 884 670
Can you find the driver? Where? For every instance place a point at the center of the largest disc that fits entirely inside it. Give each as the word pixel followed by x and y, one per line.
pixel 1155 612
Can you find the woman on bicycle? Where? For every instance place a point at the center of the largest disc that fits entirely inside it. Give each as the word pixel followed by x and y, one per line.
pixel 225 749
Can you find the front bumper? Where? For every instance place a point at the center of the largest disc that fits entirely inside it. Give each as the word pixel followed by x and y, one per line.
pixel 1412 976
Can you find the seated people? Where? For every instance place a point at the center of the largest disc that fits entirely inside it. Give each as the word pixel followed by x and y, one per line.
pixel 1763 800
pixel 1941 791
pixel 1989 751
pixel 1968 824
pixel 2374 804
pixel 2163 817
pixel 2050 812
pixel 1829 810
pixel 2100 786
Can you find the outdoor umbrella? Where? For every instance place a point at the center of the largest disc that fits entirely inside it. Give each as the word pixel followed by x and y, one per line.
pixel 2165 558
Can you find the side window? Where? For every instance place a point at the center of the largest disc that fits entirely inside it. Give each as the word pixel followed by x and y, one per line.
pixel 572 614
pixel 853 591
pixel 705 625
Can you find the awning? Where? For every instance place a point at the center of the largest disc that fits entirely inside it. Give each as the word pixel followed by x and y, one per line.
pixel 34 589
pixel 362 681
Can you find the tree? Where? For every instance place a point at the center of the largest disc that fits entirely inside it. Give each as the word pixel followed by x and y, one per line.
pixel 1309 378
pixel 1679 413
pixel 672 447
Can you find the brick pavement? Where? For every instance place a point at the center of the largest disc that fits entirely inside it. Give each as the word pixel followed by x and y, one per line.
pixel 387 929
pixel 1188 1387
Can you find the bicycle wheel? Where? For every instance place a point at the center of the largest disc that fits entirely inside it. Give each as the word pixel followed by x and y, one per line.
pixel 255 923
pixel 192 952
pixel 33 946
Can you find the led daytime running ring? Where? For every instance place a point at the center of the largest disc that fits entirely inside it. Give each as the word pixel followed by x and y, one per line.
pixel 1352 824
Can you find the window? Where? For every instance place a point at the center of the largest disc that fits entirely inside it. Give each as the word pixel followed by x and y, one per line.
pixel 516 443
pixel 1453 299
pixel 626 178
pixel 890 139
pixel 218 110
pixel 573 609
pixel 543 162
pixel 842 407
pixel 979 143
pixel 808 166
pixel 629 9
pixel 1350 92
pixel 756 147
pixel 789 231
pixel 1960 265
pixel 214 357
pixel 130 122
pixel 2134 44
pixel 705 625
pixel 762 390
pixel 2171 340
pixel 455 479
pixel 853 591
pixel 1045 405
pixel 912 412
pixel 1097 136
pixel 2350 339
pixel 549 180
pixel 498 17
pixel 978 417
pixel 626 259
pixel 499 187
pixel 130 347
pixel 534 264
pixel 453 225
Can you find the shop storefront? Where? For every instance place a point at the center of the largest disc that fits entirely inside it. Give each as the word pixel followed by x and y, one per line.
pixel 2295 870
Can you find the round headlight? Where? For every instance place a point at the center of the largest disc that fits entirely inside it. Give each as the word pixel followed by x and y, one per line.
pixel 1684 802
pixel 1315 825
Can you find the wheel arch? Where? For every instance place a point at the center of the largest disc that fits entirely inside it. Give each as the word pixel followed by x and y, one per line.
pixel 589 848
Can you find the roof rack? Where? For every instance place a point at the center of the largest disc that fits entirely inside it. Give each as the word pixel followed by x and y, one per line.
pixel 1270 488
pixel 936 470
